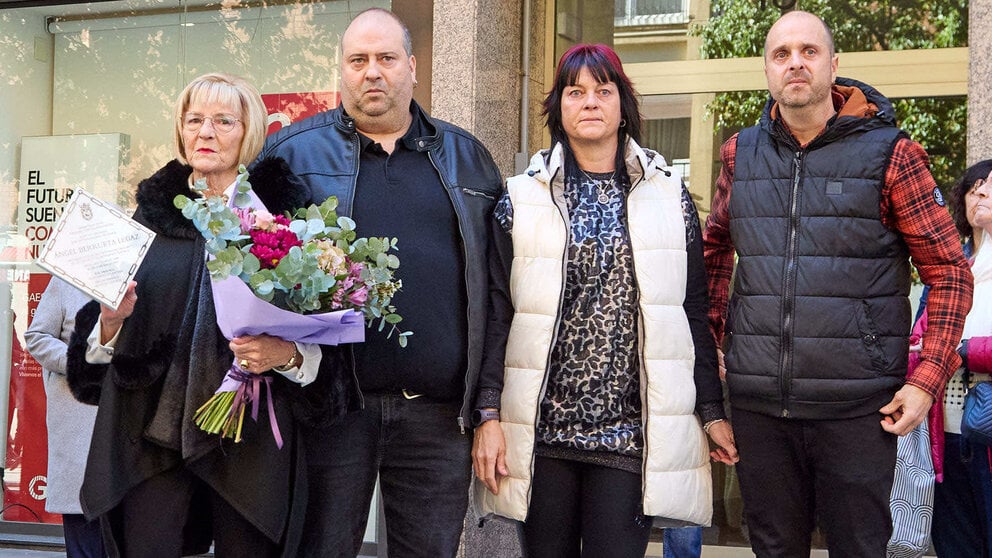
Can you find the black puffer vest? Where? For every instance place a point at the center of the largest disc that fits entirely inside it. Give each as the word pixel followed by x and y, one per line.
pixel 819 318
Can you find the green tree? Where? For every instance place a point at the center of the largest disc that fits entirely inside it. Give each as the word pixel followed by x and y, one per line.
pixel 737 28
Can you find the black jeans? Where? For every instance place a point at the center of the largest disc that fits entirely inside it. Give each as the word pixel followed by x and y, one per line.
pixel 962 507
pixel 794 473
pixel 578 505
pixel 423 462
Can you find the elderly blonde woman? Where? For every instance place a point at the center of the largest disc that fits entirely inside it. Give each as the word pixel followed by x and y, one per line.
pixel 610 372
pixel 159 484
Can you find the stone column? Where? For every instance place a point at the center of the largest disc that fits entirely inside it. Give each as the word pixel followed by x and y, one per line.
pixel 476 71
pixel 475 84
pixel 979 80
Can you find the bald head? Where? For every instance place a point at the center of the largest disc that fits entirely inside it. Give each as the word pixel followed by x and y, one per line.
pixel 381 15
pixel 799 16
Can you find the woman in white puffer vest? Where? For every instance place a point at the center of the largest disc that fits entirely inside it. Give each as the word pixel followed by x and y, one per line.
pixel 595 429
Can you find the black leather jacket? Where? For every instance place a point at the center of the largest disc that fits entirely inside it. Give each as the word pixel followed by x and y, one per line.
pixel 324 151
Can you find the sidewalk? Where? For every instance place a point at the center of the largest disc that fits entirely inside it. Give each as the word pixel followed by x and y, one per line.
pixel 27 553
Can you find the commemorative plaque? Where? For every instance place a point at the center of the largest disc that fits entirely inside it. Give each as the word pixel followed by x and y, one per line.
pixel 96 247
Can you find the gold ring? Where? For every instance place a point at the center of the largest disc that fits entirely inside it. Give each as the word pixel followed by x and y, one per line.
pixel 243 363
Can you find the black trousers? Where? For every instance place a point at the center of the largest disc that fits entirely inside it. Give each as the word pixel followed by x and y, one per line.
pixel 82 538
pixel 962 504
pixel 797 473
pixel 154 516
pixel 579 509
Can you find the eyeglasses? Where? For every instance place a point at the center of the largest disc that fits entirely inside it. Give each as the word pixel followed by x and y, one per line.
pixel 223 123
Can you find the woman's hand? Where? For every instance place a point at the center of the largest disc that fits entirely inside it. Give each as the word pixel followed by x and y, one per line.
pixel 261 353
pixel 723 436
pixel 111 320
pixel 489 454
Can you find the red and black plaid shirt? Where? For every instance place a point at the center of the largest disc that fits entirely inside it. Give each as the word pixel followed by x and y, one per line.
pixel 908 206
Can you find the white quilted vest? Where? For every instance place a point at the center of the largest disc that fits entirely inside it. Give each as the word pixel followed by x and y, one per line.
pixel 676 468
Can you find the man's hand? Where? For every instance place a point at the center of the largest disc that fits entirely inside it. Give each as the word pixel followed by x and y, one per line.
pixel 907 409
pixel 723 436
pixel 489 454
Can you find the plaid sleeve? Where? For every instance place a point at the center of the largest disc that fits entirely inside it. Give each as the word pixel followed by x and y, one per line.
pixel 913 205
pixel 718 247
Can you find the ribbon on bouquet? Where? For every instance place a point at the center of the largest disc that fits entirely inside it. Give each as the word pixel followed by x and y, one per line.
pixel 247 387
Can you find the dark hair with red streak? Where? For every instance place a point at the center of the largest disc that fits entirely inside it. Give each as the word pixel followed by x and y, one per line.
pixel 605 66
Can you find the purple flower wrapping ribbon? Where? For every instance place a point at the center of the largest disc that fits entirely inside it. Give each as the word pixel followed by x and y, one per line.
pixel 247 387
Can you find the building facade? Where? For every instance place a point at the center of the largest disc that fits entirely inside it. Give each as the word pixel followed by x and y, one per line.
pixel 105 75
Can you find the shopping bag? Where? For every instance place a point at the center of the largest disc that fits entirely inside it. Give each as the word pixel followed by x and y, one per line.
pixel 911 500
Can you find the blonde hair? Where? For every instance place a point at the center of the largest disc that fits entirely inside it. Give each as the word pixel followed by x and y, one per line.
pixel 235 92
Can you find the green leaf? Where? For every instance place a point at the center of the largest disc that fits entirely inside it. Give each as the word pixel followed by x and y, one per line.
pixel 242 200
pixel 181 201
pixel 346 223
pixel 329 205
pixel 250 264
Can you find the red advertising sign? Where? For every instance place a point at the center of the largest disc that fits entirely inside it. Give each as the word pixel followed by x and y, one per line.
pixel 286 108
pixel 25 482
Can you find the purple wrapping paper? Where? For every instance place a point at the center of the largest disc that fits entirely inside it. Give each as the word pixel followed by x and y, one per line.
pixel 240 312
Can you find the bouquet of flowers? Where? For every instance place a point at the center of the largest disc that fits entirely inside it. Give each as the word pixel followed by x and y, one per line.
pixel 305 277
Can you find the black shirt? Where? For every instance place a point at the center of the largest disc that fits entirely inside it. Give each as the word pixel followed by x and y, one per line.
pixel 400 195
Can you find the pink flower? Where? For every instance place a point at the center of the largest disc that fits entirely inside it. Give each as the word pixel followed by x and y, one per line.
pixel 247 219
pixel 359 296
pixel 337 299
pixel 355 270
pixel 271 247
pixel 264 219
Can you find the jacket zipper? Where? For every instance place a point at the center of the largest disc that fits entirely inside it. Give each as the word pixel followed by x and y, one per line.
pixel 479 194
pixel 355 145
pixel 789 286
pixel 641 373
pixel 554 333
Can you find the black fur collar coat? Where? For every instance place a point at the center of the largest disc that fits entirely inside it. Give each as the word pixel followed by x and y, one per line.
pixel 169 359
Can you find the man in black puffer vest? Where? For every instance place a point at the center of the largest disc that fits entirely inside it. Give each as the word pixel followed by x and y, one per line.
pixel 825 201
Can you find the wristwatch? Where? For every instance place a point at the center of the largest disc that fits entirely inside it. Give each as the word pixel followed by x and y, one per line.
pixel 480 416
